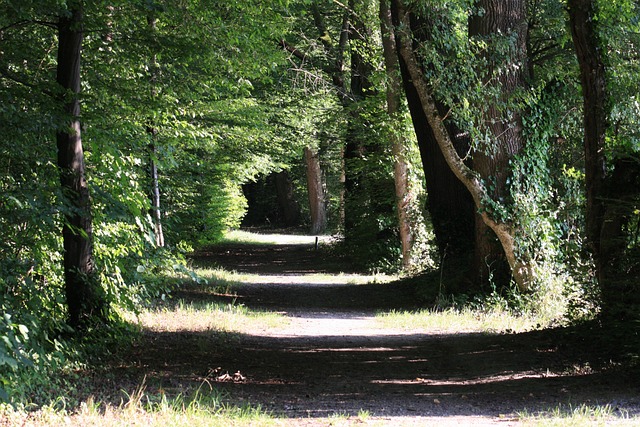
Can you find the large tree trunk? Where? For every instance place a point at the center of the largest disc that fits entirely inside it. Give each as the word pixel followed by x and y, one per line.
pixel 610 199
pixel 451 208
pixel 582 20
pixel 315 188
pixel 521 271
pixel 499 19
pixel 83 295
pixel 400 166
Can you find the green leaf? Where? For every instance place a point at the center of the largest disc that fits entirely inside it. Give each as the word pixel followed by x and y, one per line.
pixel 24 331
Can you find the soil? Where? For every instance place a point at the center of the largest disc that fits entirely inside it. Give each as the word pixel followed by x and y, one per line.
pixel 334 358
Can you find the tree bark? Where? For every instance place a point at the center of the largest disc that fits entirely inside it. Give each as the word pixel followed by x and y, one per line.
pixel 582 21
pixel 521 271
pixel 315 188
pixel 84 299
pixel 400 166
pixel 156 213
pixel 451 208
pixel 491 160
pixel 610 199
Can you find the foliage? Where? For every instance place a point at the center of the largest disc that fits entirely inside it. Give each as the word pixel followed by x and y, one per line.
pixel 135 77
pixel 207 85
pixel 547 208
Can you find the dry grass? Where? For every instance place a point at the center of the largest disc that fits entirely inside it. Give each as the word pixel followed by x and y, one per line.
pixel 456 321
pixel 223 280
pixel 207 316
pixel 578 416
pixel 142 410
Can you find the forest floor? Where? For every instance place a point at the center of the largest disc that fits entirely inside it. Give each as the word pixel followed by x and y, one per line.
pixel 332 360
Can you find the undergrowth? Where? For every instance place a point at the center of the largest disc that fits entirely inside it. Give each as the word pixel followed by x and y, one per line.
pixel 204 407
pixel 577 416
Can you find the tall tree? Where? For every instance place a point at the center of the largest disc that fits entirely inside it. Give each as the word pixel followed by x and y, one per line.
pixel 503 75
pixel 84 299
pixel 156 213
pixel 610 198
pixel 472 180
pixel 400 163
pixel 349 58
pixel 582 19
pixel 449 203
pixel 316 191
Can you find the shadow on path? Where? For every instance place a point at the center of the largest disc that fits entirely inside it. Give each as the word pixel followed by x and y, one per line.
pixel 338 372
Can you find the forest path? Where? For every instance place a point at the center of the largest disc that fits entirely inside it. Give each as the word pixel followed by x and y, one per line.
pixel 333 357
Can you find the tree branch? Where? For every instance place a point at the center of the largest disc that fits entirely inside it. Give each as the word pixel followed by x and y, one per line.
pixel 25 22
pixel 4 73
pixel 292 50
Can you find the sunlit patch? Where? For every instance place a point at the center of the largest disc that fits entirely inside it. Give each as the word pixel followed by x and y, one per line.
pixel 313 279
pixel 346 349
pixel 490 379
pixel 239 236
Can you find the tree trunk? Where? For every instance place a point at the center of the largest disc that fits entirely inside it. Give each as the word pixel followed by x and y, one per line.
pixel 336 69
pixel 522 271
pixel 491 160
pixel 582 20
pixel 610 200
pixel 83 295
pixel 156 213
pixel 451 208
pixel 315 188
pixel 343 191
pixel 400 166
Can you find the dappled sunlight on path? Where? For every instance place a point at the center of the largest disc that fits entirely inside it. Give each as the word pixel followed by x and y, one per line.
pixel 305 342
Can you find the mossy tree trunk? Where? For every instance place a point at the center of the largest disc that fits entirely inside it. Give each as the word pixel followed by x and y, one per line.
pixel 500 120
pixel 471 179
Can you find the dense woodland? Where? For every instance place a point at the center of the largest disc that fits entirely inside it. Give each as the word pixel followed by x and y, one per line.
pixel 495 143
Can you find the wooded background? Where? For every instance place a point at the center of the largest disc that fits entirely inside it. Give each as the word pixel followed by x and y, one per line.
pixel 494 140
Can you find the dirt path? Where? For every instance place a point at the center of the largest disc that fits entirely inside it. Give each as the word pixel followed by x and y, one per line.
pixel 334 358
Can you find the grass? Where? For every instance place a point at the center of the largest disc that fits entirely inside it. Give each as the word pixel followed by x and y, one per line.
pixel 143 409
pixel 577 416
pixel 458 320
pixel 223 281
pixel 207 316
